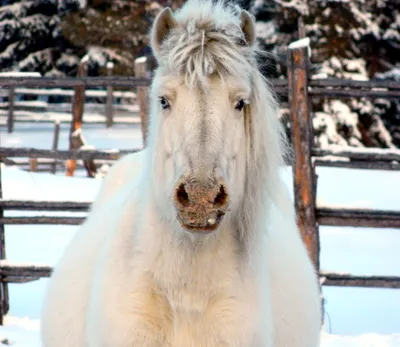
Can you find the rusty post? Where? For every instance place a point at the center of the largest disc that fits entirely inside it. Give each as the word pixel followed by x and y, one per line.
pixel 10 118
pixel 302 139
pixel 56 136
pixel 109 101
pixel 143 95
pixel 4 297
pixel 77 114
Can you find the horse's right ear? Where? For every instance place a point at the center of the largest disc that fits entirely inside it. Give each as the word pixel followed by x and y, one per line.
pixel 163 24
pixel 248 27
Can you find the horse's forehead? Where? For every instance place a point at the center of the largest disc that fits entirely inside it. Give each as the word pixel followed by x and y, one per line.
pixel 215 86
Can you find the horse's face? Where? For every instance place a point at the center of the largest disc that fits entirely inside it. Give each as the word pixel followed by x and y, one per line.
pixel 200 149
pixel 199 141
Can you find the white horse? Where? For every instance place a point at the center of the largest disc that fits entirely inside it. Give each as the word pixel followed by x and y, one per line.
pixel 200 248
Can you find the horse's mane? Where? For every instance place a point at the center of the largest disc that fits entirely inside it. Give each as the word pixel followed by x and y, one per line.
pixel 208 40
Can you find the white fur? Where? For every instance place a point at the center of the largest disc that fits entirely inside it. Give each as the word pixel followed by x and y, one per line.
pixel 132 276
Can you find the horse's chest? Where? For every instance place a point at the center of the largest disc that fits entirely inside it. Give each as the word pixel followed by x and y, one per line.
pixel 206 318
pixel 218 321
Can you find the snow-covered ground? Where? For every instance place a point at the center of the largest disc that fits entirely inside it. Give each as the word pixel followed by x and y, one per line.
pixel 356 316
pixel 41 136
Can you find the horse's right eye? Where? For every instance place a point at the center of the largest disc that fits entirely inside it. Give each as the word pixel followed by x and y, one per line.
pixel 164 103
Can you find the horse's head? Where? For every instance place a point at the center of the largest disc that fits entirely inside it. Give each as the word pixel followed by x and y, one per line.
pixel 201 101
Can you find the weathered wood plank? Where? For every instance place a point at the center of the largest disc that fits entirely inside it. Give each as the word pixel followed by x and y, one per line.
pixel 10 118
pixel 109 102
pixel 101 81
pixel 353 217
pixel 77 118
pixel 348 280
pixel 83 154
pixel 4 295
pixel 33 205
pixel 357 164
pixel 342 93
pixel 344 83
pixel 143 96
pixel 54 147
pixel 44 220
pixel 366 154
pixel 304 180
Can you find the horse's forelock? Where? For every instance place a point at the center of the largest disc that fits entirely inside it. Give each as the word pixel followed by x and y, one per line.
pixel 208 40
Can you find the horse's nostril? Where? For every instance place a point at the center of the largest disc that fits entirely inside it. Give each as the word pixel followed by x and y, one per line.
pixel 221 198
pixel 182 196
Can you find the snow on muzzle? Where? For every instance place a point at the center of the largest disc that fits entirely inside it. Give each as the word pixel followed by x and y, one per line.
pixel 200 205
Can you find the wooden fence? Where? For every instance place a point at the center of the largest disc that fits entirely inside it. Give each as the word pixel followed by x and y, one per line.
pixel 299 89
pixel 33 105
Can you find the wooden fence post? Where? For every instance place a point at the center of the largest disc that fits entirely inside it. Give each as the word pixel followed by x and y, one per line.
pixel 302 141
pixel 143 95
pixel 109 101
pixel 77 114
pixel 33 164
pixel 56 136
pixel 11 100
pixel 4 298
pixel 300 27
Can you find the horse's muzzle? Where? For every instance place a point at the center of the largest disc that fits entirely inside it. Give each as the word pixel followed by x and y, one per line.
pixel 200 205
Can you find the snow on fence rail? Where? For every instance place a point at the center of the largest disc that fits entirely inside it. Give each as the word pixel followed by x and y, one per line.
pixel 299 88
pixel 357 158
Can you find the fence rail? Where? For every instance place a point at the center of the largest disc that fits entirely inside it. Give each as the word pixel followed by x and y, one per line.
pixel 90 93
pixel 23 273
pixel 106 81
pixel 87 154
pixel 354 217
pixel 347 280
pixel 356 164
pixel 42 220
pixel 123 81
pixel 32 205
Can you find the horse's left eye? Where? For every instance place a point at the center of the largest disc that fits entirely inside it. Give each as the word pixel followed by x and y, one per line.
pixel 240 105
pixel 164 103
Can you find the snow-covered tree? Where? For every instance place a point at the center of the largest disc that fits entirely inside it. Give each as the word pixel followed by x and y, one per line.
pixel 113 30
pixel 31 39
pixel 355 39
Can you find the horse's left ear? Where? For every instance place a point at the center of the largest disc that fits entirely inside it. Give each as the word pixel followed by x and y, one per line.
pixel 163 24
pixel 248 27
